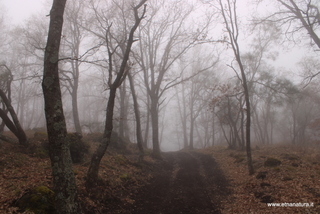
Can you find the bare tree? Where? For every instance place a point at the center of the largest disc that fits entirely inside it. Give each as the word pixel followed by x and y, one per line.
pixel 164 39
pixel 297 16
pixel 92 175
pixel 137 116
pixel 64 183
pixel 229 13
pixel 5 95
pixel 73 37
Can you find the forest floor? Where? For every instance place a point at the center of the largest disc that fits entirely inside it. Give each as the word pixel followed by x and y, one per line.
pixel 214 180
pixel 291 182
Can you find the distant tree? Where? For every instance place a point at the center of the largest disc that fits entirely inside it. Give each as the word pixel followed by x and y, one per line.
pixel 303 109
pixel 64 183
pixel 228 107
pixel 27 44
pixel 163 40
pixel 73 37
pixel 193 94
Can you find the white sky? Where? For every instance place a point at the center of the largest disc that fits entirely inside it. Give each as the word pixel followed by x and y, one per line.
pixel 19 10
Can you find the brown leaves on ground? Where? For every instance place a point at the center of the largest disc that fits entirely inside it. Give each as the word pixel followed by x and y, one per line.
pixel 295 180
pixel 120 175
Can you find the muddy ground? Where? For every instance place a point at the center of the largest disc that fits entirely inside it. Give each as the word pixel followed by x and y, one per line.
pixel 184 182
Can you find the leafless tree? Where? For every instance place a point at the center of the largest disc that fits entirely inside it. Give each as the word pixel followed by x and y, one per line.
pixel 296 16
pixel 164 39
pixel 92 175
pixel 228 10
pixel 5 95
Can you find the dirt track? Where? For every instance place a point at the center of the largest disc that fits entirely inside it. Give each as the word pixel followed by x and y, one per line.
pixel 185 182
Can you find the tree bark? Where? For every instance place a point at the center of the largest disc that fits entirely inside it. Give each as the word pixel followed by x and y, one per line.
pixel 137 115
pixel 64 184
pixel 93 172
pixel 17 130
pixel 156 152
pixel 231 24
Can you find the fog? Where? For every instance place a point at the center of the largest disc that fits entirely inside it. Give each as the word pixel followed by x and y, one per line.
pixel 188 82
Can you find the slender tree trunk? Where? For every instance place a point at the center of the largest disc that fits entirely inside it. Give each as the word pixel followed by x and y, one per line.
pixel 155 127
pixel 75 111
pixel 137 115
pixel 213 129
pixel 191 146
pixel 123 111
pixel 64 184
pixel 147 127
pixel 184 118
pixel 93 172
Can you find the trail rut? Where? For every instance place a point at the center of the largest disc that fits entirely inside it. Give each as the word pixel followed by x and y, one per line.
pixel 185 182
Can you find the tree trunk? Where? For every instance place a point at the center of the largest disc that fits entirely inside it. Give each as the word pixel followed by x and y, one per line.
pixel 213 129
pixel 155 127
pixel 19 132
pixel 123 111
pixel 191 146
pixel 75 109
pixel 231 24
pixel 147 127
pixel 93 172
pixel 64 184
pixel 137 115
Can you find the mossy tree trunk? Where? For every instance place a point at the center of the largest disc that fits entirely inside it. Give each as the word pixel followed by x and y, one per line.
pixel 64 184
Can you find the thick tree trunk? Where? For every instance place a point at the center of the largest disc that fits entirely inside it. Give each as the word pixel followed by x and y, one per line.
pixel 64 184
pixel 155 127
pixel 8 123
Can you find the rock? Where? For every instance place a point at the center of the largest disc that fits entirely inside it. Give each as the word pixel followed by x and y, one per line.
pixel 261 175
pixel 286 178
pixel 272 162
pixel 290 156
pixel 264 184
pixel 266 199
pixel 258 194
pixel 38 200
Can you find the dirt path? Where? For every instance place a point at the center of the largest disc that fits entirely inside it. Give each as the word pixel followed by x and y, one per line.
pixel 185 182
